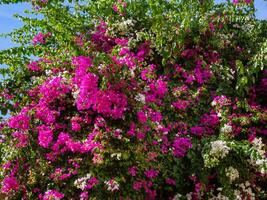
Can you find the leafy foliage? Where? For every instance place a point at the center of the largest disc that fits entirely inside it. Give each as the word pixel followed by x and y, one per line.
pixel 145 99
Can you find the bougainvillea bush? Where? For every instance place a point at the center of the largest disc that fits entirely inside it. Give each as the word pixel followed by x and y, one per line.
pixel 145 99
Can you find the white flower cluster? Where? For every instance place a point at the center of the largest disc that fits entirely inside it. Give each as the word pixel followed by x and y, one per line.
pixel 177 197
pixel 81 182
pixel 117 155
pixel 48 72
pixel 75 92
pixel 213 103
pixel 232 173
pixel 123 26
pixel 219 196
pixel 259 159
pixel 101 66
pixel 226 129
pixel 140 97
pixel 112 185
pixel 219 149
pixel 244 189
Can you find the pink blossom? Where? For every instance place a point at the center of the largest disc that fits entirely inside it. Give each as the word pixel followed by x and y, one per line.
pixel 131 130
pixel 141 116
pixel 45 136
pixel 181 146
pixel 115 8
pixel 20 121
pixel 111 103
pixel 180 104
pixel 137 185
pixel 210 119
pixel 121 41
pixel 75 125
pixel 34 66
pixel 151 173
pixel 92 182
pixel 197 130
pixel 82 62
pixel 22 139
pixel 74 146
pixel 132 171
pixel 88 91
pixel 189 53
pixel 53 194
pixel 9 183
pixel 156 116
pixel 40 38
pixel 140 135
pixel 45 114
pixel 145 74
pixel 61 140
pixel 235 2
pixel 170 181
pixel 84 196
pixel 212 28
pixel 189 79
pixel 160 88
pixel 52 89
pixel 221 100
pixel 101 40
pixel 142 51
pixel 201 75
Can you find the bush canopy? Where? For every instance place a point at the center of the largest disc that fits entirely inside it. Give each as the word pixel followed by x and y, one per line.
pixel 135 99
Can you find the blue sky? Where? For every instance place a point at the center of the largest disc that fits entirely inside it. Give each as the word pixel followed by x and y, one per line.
pixel 8 22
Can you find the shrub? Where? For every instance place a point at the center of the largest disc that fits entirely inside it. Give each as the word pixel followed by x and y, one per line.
pixel 135 100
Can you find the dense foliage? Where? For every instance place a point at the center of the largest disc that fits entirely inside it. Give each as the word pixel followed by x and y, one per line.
pixel 143 99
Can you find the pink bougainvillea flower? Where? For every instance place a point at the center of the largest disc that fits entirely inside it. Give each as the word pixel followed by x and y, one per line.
pixel 210 119
pixel 53 194
pixel 9 183
pixel 20 121
pixel 137 185
pixel 235 2
pixel 40 38
pixel 92 182
pixel 212 27
pixel 82 62
pixel 181 146
pixel 170 181
pixel 111 103
pixel 84 196
pixel 143 51
pixel 45 136
pixel 140 135
pixel 151 173
pixel 75 123
pixel 121 41
pixel 22 139
pixel 132 171
pixel 197 130
pixel 34 66
pixel 180 104
pixel 88 91
pixel 141 116
pixel 248 1
pixel 52 89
